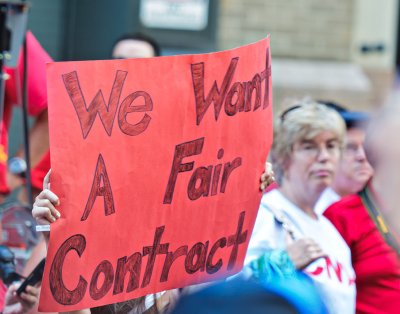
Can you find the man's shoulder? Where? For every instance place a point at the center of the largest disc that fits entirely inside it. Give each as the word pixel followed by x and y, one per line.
pixel 347 211
pixel 348 216
pixel 347 204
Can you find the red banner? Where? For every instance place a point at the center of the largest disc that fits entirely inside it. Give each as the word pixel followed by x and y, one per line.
pixel 157 164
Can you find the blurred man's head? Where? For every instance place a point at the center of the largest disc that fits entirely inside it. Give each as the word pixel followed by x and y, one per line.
pixel 354 170
pixel 384 152
pixel 135 46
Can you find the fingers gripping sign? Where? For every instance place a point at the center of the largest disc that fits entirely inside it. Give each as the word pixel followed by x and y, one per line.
pixel 268 177
pixel 44 209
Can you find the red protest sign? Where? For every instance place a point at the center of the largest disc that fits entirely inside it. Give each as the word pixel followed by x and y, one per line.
pixel 157 165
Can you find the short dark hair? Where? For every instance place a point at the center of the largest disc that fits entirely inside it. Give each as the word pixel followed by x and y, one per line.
pixel 353 119
pixel 141 37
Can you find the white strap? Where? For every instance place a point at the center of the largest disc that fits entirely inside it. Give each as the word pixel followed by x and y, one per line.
pixel 283 220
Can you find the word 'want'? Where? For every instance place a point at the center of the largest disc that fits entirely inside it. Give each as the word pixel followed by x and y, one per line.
pixel 236 98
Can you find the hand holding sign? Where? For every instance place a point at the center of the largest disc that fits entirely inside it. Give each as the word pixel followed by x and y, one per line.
pixel 44 210
pixel 267 177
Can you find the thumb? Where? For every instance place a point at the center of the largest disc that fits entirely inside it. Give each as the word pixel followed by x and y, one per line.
pixel 288 239
pixel 46 181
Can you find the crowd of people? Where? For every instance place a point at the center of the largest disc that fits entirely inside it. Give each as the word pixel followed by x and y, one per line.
pixel 326 235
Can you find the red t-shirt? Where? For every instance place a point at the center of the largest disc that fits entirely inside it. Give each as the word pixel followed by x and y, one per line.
pixel 376 264
pixel 37 102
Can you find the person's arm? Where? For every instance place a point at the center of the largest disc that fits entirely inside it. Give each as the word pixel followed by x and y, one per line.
pixel 45 213
pixel 38 139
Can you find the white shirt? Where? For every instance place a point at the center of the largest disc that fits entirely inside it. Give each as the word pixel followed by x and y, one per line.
pixel 334 275
pixel 327 198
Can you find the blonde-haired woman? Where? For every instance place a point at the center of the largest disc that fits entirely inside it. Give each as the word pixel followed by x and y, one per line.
pixel 307 143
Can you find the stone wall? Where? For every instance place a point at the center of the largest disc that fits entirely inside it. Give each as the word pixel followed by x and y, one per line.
pixel 317 29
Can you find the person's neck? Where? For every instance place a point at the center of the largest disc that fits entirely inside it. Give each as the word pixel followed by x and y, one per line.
pixel 340 192
pixel 304 201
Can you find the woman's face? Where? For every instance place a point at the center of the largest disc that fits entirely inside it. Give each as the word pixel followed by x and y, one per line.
pixel 312 165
